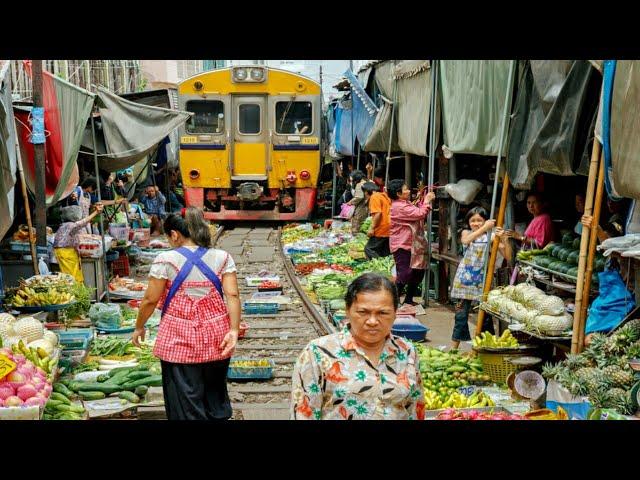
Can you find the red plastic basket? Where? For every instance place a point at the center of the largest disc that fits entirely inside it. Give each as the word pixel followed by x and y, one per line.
pixel 121 266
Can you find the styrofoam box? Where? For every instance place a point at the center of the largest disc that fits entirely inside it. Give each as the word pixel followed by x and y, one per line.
pixel 255 281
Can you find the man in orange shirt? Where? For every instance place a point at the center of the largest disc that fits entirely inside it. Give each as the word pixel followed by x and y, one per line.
pixel 380 210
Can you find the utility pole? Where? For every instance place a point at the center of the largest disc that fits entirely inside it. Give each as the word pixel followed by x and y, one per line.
pixel 38 140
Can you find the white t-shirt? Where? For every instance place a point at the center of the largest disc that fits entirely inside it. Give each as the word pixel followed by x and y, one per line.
pixel 167 265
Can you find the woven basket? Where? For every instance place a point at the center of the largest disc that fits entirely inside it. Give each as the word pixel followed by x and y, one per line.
pixel 495 364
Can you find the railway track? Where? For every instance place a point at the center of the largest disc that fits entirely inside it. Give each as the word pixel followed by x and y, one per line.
pixel 280 336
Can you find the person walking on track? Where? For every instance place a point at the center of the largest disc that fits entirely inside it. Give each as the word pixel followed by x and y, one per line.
pixel 198 332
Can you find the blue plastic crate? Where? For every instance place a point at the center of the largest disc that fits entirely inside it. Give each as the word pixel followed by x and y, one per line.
pixel 250 373
pixel 260 308
pixel 76 339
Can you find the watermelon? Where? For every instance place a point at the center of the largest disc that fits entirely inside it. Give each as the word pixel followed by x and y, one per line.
pixel 567 240
pixel 576 243
pixel 563 253
pixel 573 271
pixel 565 267
pixel 573 257
pixel 549 248
pixel 555 266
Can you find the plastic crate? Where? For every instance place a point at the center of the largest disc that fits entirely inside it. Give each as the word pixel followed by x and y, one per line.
pixel 119 231
pixel 260 308
pixel 18 246
pixel 120 266
pixel 142 236
pixel 76 339
pixel 248 372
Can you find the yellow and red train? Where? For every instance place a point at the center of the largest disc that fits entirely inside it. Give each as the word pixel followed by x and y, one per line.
pixel 252 149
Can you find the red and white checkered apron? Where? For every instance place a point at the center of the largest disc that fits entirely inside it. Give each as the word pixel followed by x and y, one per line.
pixel 192 329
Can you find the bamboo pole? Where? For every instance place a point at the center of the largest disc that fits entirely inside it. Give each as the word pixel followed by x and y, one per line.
pixel 593 240
pixel 584 241
pixel 23 185
pixel 103 258
pixel 488 279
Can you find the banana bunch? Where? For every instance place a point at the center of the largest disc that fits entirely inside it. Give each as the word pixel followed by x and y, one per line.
pixel 27 296
pixel 249 363
pixel 457 400
pixel 506 340
pixel 37 356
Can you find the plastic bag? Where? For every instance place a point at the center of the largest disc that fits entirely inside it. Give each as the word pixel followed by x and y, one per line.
pixel 89 245
pixel 558 396
pixel 105 315
pixel 464 191
pixel 614 302
pixel 346 211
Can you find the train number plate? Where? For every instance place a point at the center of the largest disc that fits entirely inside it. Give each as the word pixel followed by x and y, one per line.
pixel 310 140
pixel 187 139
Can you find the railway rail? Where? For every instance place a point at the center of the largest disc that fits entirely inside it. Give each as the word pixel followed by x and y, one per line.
pixel 279 337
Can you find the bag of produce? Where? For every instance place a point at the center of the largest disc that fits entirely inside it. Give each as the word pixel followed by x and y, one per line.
pixel 464 191
pixel 106 315
pixel 88 245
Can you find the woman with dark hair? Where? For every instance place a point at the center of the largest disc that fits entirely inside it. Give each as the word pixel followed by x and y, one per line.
pixel 540 231
pixel 198 332
pixel 406 237
pixel 468 282
pixel 363 372
pixel 361 209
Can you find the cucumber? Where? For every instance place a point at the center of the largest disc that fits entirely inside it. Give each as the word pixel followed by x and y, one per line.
pixel 138 375
pixel 53 403
pixel 102 378
pixel 100 387
pixel 152 381
pixel 75 408
pixel 63 407
pixel 60 397
pixel 113 371
pixel 61 388
pixel 129 396
pixel 118 378
pixel 89 395
pixel 141 391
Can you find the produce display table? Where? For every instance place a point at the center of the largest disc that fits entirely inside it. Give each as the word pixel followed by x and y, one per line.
pixel 594 291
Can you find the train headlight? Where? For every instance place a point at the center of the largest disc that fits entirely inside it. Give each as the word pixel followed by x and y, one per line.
pixel 194 174
pixel 240 74
pixel 257 74
pixel 305 175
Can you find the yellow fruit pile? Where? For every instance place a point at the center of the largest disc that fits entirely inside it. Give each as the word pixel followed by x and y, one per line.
pixel 506 340
pixel 249 363
pixel 27 296
pixel 457 400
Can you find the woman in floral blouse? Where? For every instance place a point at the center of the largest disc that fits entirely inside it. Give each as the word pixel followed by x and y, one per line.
pixel 362 372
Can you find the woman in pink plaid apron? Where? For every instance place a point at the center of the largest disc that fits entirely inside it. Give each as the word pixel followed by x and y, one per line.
pixel 198 332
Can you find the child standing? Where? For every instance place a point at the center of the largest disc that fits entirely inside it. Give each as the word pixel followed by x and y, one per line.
pixel 467 284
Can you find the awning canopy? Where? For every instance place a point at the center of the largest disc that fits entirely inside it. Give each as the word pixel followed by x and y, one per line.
pixel 8 151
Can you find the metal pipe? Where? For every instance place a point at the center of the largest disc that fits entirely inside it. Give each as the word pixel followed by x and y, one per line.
pixel 503 127
pixel 432 154
pixel 393 114
pixel 103 258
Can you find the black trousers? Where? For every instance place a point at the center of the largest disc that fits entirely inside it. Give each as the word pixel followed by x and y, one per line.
pixel 377 247
pixel 196 391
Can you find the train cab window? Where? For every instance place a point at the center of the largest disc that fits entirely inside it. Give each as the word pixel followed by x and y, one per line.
pixel 208 116
pixel 249 118
pixel 294 118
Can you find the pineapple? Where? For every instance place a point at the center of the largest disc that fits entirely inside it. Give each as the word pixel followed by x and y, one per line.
pixel 597 380
pixel 575 362
pixel 551 372
pixel 571 382
pixel 633 351
pixel 621 401
pixel 600 398
pixel 618 376
pixel 630 333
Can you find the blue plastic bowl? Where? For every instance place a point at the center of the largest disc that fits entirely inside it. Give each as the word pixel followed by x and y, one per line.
pixel 412 332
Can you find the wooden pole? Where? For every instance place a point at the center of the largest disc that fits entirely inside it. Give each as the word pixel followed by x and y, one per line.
pixel 584 242
pixel 40 165
pixel 593 240
pixel 494 250
pixel 23 185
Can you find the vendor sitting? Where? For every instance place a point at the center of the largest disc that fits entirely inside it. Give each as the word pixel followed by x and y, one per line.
pixel 65 239
pixel 153 202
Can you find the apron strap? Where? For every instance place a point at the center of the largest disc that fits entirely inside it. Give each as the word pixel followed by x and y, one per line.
pixel 193 259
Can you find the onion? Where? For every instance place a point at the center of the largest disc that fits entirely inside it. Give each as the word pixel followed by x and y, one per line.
pixel 26 391
pixel 6 391
pixel 13 401
pixel 35 401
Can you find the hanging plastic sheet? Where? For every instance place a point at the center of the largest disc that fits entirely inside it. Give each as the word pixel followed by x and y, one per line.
pixel 66 110
pixel 378 140
pixel 552 142
pixel 609 73
pixel 472 99
pixel 8 154
pixel 624 132
pixel 343 133
pixel 132 130
pixel 413 79
pixel 364 110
